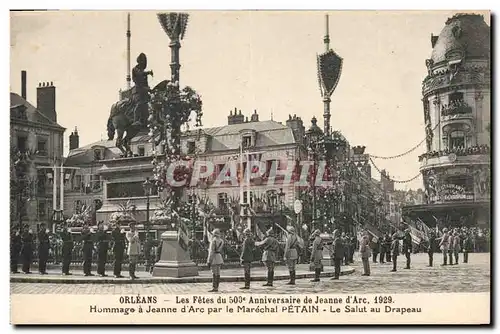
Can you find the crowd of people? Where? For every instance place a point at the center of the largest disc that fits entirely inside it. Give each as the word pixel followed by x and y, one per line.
pixel 459 151
pixel 341 249
pixel 118 242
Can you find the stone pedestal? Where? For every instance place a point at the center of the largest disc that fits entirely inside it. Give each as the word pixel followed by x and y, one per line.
pixel 327 246
pixel 174 260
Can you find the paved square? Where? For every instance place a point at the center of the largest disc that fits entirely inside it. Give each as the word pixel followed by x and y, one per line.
pixel 471 277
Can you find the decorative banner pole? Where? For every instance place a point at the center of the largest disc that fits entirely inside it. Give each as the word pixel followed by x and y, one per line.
pixel 329 70
pixel 175 260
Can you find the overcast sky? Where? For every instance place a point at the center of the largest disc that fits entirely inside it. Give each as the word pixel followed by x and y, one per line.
pixel 249 60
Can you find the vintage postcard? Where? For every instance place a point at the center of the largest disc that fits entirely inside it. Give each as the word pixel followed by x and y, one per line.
pixel 250 167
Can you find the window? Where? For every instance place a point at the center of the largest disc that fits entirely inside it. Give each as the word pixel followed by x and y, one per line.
pixel 41 181
pixel 96 182
pixel 246 195
pixel 22 143
pixel 42 210
pixel 140 151
pixel 77 182
pixel 221 200
pixel 77 206
pixel 457 139
pixel 247 141
pixel 191 145
pixel 97 155
pixel 42 147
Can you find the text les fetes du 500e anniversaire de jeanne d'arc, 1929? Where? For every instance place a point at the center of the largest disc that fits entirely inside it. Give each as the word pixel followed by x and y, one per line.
pixel 258 304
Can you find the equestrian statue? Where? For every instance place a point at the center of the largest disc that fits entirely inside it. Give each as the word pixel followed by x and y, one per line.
pixel 129 115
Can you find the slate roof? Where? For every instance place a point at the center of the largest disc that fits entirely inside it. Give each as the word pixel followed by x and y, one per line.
pixel 33 115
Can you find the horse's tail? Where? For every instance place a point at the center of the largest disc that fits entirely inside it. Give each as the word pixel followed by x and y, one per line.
pixel 111 129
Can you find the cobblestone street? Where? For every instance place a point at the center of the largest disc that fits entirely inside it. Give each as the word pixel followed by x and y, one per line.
pixel 471 277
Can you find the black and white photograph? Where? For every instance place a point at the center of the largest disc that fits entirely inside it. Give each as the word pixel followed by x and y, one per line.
pixel 250 167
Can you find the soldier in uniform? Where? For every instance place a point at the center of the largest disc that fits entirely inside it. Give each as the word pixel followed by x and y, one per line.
pixel 338 250
pixel 141 89
pixel 214 259
pixel 27 249
pixel 118 250
pixel 134 245
pixel 102 249
pixel 456 245
pixel 364 251
pixel 16 244
pixel 67 249
pixel 407 245
pixel 375 245
pixel 352 244
pixel 43 249
pixel 148 253
pixel 431 248
pixel 395 251
pixel 316 255
pixel 387 247
pixel 270 254
pixel 246 256
pixel 291 254
pixel 468 246
pixel 444 245
pixel 88 249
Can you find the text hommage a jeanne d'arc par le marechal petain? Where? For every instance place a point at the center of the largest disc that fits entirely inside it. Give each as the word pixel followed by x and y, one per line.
pixel 257 304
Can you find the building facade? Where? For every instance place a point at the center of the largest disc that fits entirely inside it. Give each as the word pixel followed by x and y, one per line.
pixel 36 135
pixel 457 114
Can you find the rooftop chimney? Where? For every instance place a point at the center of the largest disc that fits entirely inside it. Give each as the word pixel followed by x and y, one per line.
pixel 74 140
pixel 23 84
pixel 46 100
pixel 254 117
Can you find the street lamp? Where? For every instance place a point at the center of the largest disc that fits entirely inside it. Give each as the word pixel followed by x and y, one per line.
pixel 148 187
pixel 193 200
pixel 281 195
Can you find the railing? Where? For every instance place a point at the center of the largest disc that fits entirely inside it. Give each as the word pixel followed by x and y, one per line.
pixel 456 108
pixel 475 150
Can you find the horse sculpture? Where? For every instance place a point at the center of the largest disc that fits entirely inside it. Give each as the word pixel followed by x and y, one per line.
pixel 121 120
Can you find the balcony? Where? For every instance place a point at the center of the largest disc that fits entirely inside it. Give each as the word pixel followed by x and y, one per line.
pixel 472 155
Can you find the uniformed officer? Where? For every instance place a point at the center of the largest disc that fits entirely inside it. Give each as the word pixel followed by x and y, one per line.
pixel 134 245
pixel 431 248
pixel 407 246
pixel 468 246
pixel 352 244
pixel 43 249
pixel 444 245
pixel 338 249
pixel 246 256
pixel 67 249
pixel 365 252
pixel 456 245
pixel 118 237
pixel 88 249
pixel 16 243
pixel 387 247
pixel 291 253
pixel 214 259
pixel 270 254
pixel 27 249
pixel 316 255
pixel 395 251
pixel 102 239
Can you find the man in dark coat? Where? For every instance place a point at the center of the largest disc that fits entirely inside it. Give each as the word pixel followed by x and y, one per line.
pixel 16 244
pixel 346 241
pixel 431 248
pixel 407 246
pixel 375 246
pixel 27 249
pixel 246 256
pixel 395 251
pixel 43 249
pixel 352 248
pixel 118 250
pixel 88 249
pixel 67 249
pixel 102 249
pixel 387 243
pixel 338 251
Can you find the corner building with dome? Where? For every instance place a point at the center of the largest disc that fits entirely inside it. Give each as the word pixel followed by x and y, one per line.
pixel 456 105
